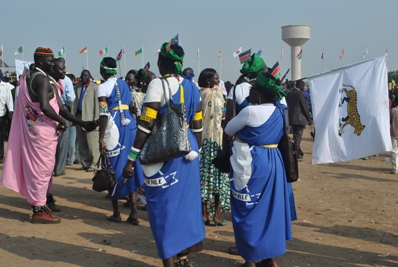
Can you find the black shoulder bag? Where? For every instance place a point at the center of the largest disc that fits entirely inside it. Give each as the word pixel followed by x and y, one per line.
pixel 222 161
pixel 286 147
pixel 169 137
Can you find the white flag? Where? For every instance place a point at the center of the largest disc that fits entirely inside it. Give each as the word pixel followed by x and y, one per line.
pixel 351 115
pixel 21 65
pixel 237 52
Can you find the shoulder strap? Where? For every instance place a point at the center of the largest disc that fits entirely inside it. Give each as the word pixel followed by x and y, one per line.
pixel 29 82
pixel 234 99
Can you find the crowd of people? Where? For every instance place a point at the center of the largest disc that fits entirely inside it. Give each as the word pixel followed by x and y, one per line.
pixel 85 121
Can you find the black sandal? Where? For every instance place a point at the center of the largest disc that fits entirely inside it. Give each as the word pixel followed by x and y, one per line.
pixel 114 219
pixel 233 251
pixel 132 221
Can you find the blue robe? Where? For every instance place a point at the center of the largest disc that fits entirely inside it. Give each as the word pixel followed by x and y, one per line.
pixel 261 211
pixel 173 193
pixel 118 155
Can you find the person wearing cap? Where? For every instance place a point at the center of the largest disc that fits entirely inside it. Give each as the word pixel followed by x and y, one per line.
pixel 34 134
pixel 86 107
pixel 117 130
pixel 261 219
pixel 172 188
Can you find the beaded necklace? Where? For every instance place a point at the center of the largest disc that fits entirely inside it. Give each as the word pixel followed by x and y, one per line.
pixel 125 121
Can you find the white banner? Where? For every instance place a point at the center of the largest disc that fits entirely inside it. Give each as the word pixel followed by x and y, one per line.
pixel 351 112
pixel 20 65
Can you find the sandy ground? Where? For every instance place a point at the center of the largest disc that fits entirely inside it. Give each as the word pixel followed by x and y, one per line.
pixel 347 216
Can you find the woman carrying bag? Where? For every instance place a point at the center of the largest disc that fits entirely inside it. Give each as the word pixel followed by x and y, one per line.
pixel 259 192
pixel 172 187
pixel 117 133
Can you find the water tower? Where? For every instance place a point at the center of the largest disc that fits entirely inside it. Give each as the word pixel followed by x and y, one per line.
pixel 295 36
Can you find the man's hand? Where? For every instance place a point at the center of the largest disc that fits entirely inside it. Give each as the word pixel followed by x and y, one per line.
pixel 89 126
pixel 10 114
pixel 61 128
pixel 134 110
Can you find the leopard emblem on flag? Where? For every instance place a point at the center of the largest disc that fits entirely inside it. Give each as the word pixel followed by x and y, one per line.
pixel 353 118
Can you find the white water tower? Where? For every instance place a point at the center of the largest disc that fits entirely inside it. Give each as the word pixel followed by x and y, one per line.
pixel 295 36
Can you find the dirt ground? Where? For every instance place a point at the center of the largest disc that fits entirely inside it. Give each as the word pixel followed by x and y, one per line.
pixel 347 216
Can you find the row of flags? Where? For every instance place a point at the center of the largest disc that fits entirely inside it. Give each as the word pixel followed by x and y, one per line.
pixel 175 40
pixel 300 54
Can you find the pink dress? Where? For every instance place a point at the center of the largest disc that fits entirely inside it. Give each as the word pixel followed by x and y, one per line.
pixel 30 159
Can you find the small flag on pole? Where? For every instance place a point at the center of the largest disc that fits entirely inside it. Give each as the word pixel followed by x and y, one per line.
pixel 276 70
pixel 19 50
pixel 282 53
pixel 260 51
pixel 365 53
pixel 61 52
pixel 146 67
pixel 284 76
pixel 174 40
pixel 323 54
pixel 157 52
pixel 84 50
pixel 300 54
pixel 342 53
pixel 237 52
pixel 120 55
pixel 103 51
pixel 220 53
pixel 139 51
pixel 386 53
pixel 245 56
pixel 1 51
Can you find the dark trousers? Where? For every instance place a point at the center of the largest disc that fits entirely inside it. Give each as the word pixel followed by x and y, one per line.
pixel 3 121
pixel 297 135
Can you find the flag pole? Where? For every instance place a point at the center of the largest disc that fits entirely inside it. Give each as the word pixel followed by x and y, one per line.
pixel 87 57
pixel 64 52
pixel 142 55
pixel 23 53
pixel 221 63
pixel 342 58
pixel 125 68
pixel 198 61
pixel 2 57
pixel 120 69
pixel 281 58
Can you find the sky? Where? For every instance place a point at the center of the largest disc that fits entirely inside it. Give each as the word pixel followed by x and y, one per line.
pixel 207 24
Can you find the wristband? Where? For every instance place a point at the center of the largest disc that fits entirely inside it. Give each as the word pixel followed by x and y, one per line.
pixel 134 152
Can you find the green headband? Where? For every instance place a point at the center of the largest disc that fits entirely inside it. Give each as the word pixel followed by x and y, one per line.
pixel 255 64
pixel 173 56
pixel 269 83
pixel 108 70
